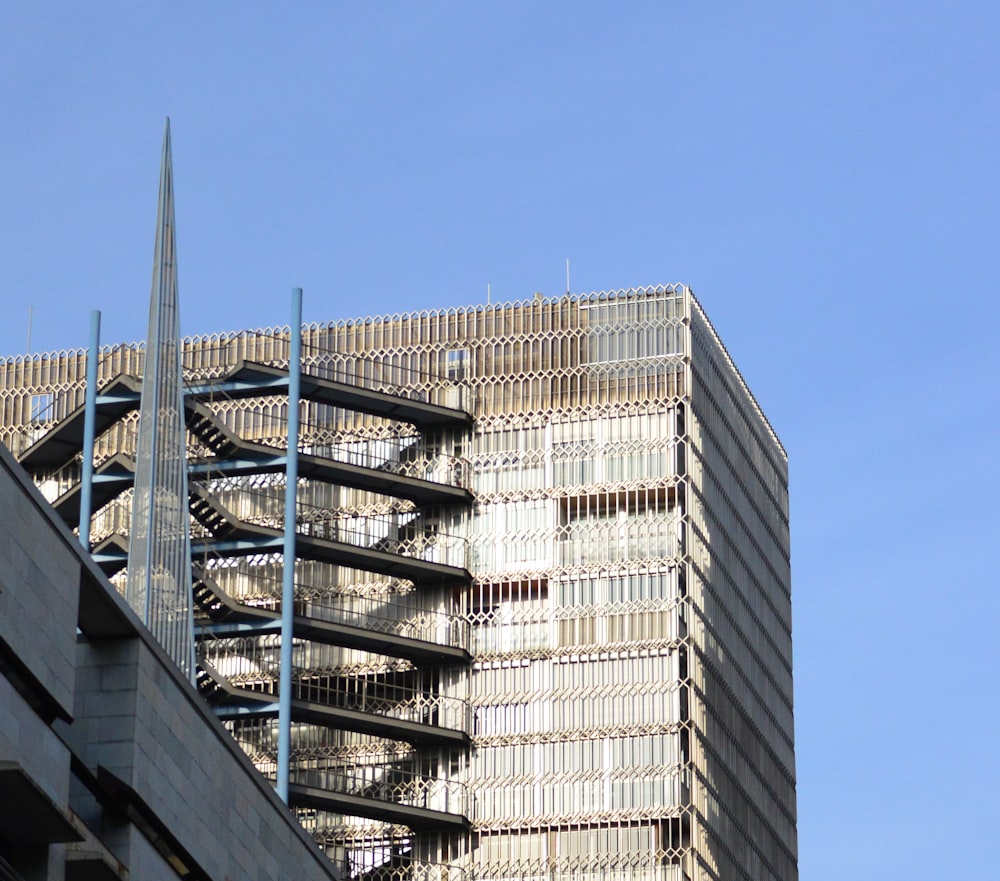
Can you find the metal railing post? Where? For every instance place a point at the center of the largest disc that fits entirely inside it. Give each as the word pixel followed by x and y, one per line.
pixel 288 564
pixel 89 430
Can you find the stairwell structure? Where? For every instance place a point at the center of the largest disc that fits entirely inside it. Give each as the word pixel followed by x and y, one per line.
pixel 380 721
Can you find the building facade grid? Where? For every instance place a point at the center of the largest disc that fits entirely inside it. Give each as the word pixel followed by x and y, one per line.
pixel 627 698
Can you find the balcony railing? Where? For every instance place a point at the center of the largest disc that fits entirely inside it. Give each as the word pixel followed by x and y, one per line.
pixel 212 359
pixel 663 872
pixel 404 615
pixel 407 533
pixel 252 665
pixel 408 456
pixel 385 615
pixel 389 783
pixel 393 701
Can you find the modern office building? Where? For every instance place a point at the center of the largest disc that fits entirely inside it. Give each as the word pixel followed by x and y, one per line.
pixel 491 594
pixel 542 608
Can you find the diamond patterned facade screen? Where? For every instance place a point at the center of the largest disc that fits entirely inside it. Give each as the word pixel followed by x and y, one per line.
pixel 159 561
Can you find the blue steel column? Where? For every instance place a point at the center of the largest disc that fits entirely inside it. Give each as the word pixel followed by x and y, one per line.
pixel 89 418
pixel 288 570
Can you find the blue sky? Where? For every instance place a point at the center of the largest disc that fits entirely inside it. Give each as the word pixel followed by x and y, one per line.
pixel 823 175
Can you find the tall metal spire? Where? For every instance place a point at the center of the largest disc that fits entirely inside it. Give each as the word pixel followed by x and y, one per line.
pixel 159 561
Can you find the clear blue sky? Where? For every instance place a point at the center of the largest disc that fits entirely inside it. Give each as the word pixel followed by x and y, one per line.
pixel 825 176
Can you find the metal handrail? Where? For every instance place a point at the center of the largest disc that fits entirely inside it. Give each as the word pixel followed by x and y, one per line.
pixel 389 783
pixel 392 614
pixel 253 667
pixel 210 363
pixel 405 533
pixel 422 460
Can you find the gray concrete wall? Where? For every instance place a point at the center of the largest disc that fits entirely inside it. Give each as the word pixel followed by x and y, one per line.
pixel 111 696
pixel 141 721
pixel 39 588
pixel 28 742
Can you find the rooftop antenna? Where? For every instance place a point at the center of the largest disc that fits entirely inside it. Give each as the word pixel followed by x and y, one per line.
pixel 29 330
pixel 489 293
pixel 567 276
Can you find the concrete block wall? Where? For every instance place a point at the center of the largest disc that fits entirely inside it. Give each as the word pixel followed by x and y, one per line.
pixel 146 725
pixel 29 743
pixel 39 589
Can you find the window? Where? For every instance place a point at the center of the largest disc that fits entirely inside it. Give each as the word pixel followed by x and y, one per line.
pixel 514 536
pixel 613 527
pixel 41 407
pixel 457 362
pixel 673 837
